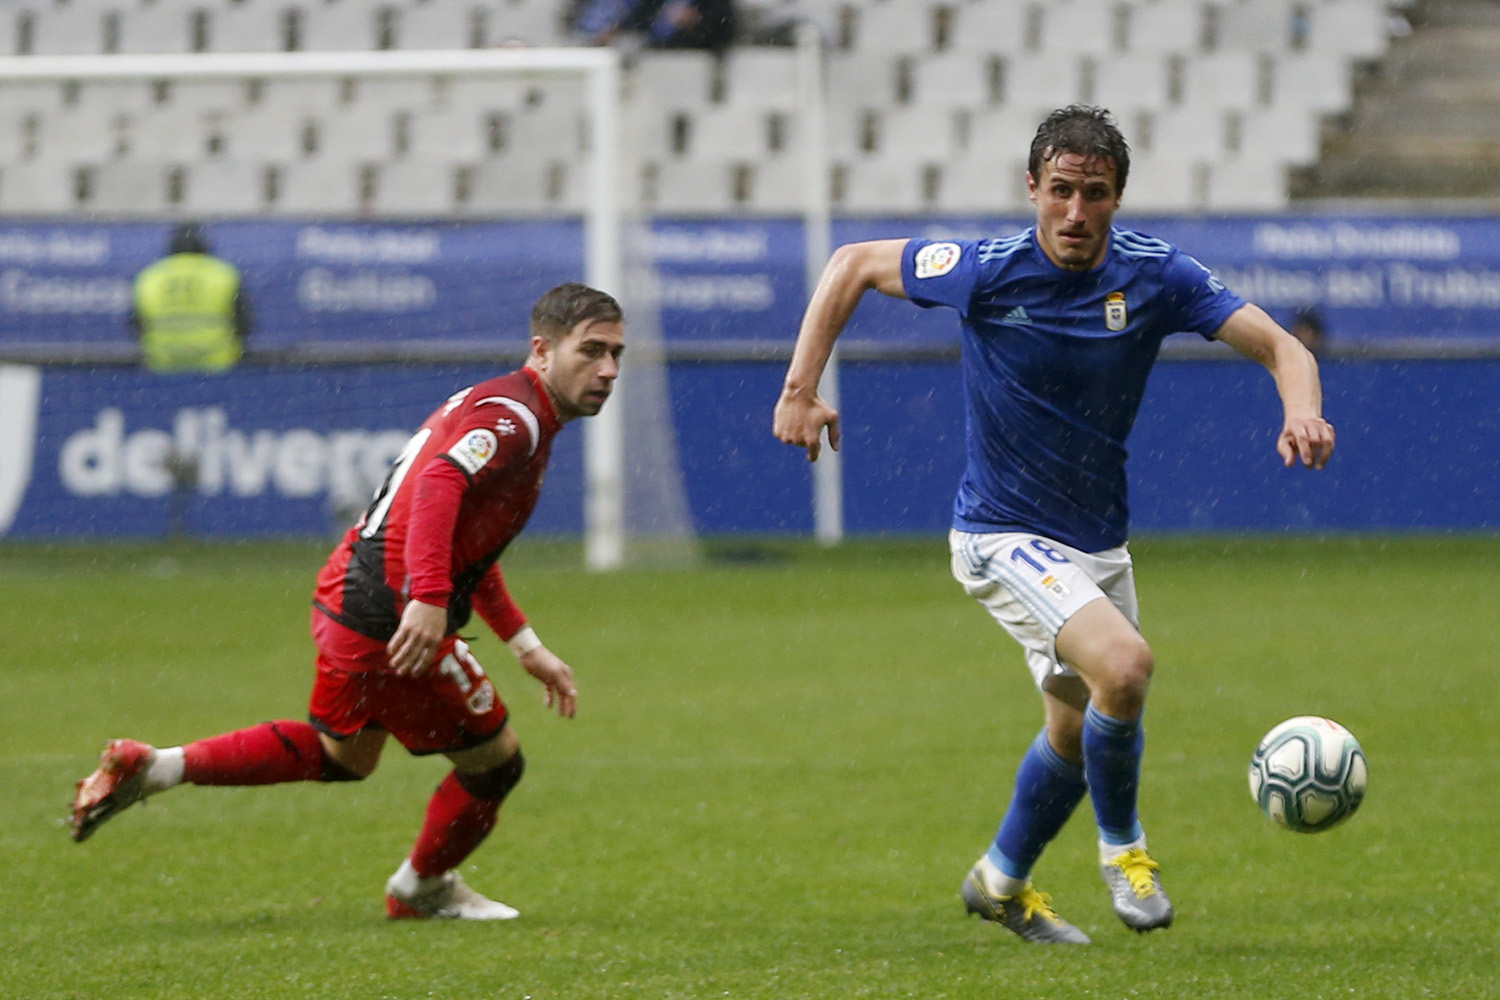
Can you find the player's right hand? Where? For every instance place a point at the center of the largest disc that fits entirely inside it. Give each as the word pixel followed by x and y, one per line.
pixel 799 421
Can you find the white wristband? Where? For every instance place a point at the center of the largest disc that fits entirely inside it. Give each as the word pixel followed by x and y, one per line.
pixel 524 641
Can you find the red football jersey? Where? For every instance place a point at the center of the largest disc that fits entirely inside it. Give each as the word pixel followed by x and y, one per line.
pixel 459 492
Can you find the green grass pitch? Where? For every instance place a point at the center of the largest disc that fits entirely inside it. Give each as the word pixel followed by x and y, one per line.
pixel 780 771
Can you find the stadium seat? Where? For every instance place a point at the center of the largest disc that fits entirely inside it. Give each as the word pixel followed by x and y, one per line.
pixel 319 187
pixel 958 79
pixel 128 96
pixel 1004 132
pixel 364 133
pixel 417 187
pixel 521 184
pixel 1354 28
pixel 677 77
pixel 689 187
pixel 334 26
pixel 1195 132
pixel 1246 184
pixel 267 133
pixel 1127 84
pixel 1259 26
pixel 248 26
pixel 167 134
pixel 861 80
pixel 777 185
pixel 875 186
pixel 129 187
pixel 74 30
pixel 223 187
pixel 314 95
pixel 1166 26
pixel 991 27
pixel 1162 183
pixel 1223 80
pixel 452 135
pixel 78 135
pixel 198 96
pixel 524 22
pixel 167 26
pixel 1285 133
pixel 983 184
pixel 925 132
pixel 1322 82
pixel 9 25
pixel 436 25
pixel 719 133
pixel 897 26
pixel 1081 27
pixel 1054 80
pixel 760 78
pixel 38 98
pixel 396 93
pixel 37 189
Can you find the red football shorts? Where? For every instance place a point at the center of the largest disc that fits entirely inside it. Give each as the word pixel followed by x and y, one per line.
pixel 452 706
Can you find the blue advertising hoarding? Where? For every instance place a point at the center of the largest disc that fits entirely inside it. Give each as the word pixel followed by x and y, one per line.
pixel 299 452
pixel 725 282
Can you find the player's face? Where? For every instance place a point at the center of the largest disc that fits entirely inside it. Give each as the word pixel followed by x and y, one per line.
pixel 580 370
pixel 1076 199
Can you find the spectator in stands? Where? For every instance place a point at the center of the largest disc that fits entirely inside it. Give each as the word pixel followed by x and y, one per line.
pixel 661 24
pixel 191 311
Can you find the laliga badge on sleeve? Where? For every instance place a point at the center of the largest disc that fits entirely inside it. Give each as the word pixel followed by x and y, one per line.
pixel 935 260
pixel 1115 315
pixel 476 448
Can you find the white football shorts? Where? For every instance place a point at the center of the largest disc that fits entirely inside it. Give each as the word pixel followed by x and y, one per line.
pixel 1031 585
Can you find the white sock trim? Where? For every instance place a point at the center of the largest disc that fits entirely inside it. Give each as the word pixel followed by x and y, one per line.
pixel 997 882
pixel 165 770
pixel 1108 852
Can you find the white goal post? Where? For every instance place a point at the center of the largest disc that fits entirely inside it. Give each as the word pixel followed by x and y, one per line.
pixel 598 68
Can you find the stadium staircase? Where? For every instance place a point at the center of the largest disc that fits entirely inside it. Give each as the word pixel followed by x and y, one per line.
pixel 1426 123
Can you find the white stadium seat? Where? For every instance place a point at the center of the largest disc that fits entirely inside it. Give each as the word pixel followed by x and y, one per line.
pixel 224 187
pixel 760 78
pixel 876 186
pixel 1166 26
pixel 958 79
pixel 993 27
pixel 986 184
pixel 1054 80
pixel 1087 27
pixel 901 26
pixel 1247 184
pixel 335 26
pixel 415 187
pixel 129 187
pixel 1126 84
pixel 37 189
pixel 74 30
pixel 248 26
pixel 319 187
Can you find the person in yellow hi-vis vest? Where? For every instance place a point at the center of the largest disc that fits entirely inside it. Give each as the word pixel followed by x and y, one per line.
pixel 190 308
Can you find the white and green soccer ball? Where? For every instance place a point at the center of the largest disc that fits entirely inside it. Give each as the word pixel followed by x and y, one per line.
pixel 1308 774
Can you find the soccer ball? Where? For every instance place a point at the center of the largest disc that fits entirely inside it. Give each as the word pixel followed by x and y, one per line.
pixel 1308 774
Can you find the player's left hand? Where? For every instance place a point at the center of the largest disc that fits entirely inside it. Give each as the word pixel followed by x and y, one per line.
pixel 557 680
pixel 1309 439
pixel 417 638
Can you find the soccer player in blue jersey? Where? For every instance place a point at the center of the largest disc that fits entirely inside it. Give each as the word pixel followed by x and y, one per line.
pixel 1060 326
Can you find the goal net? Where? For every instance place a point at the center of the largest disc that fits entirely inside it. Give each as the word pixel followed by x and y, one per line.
pixel 634 507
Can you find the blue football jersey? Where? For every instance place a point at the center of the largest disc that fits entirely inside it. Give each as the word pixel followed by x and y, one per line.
pixel 1055 364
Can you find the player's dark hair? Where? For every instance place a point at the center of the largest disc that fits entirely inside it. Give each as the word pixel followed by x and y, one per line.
pixel 564 307
pixel 1084 131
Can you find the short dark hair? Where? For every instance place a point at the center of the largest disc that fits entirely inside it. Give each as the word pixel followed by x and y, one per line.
pixel 188 237
pixel 1082 130
pixel 564 307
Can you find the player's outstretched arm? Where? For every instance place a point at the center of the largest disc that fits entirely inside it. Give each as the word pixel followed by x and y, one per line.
pixel 855 268
pixel 556 677
pixel 1305 435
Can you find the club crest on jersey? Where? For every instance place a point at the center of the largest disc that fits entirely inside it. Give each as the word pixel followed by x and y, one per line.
pixel 1115 315
pixel 476 448
pixel 935 260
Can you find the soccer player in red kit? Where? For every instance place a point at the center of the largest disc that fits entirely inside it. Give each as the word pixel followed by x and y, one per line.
pixel 387 610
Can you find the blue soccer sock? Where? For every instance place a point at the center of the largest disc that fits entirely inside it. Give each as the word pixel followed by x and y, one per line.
pixel 1112 761
pixel 1048 788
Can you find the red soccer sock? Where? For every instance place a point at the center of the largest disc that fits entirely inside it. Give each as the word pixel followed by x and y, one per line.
pixel 267 754
pixel 456 824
